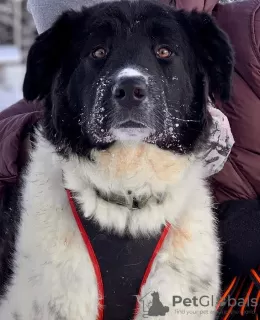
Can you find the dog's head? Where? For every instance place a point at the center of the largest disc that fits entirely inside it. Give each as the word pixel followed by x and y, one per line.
pixel 124 71
pixel 155 295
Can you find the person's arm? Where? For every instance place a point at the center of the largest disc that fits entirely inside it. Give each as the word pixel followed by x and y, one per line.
pixel 15 122
pixel 239 231
pixel 200 5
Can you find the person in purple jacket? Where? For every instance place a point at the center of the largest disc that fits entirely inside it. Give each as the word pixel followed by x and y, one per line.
pixel 236 187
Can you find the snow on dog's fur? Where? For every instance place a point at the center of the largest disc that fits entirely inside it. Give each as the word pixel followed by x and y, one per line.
pixel 97 137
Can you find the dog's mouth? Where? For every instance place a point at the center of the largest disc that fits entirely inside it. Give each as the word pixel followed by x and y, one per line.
pixel 131 130
pixel 131 124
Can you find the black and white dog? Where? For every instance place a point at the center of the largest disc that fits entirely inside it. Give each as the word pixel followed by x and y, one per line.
pixel 114 184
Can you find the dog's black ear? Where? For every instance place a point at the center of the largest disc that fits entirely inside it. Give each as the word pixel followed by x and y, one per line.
pixel 45 57
pixel 213 47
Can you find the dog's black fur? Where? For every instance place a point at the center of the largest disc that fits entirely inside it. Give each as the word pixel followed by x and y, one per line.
pixel 9 226
pixel 62 72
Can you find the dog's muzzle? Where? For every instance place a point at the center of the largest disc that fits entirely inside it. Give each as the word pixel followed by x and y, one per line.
pixel 130 95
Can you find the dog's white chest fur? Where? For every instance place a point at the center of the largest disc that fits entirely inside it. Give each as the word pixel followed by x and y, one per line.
pixel 54 277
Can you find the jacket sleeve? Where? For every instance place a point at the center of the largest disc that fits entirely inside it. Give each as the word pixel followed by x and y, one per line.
pixel 240 178
pixel 239 232
pixel 200 5
pixel 15 122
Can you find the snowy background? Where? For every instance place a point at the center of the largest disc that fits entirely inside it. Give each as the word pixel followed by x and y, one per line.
pixel 17 33
pixel 11 84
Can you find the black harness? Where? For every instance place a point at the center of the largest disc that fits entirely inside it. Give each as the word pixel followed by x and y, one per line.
pixel 121 263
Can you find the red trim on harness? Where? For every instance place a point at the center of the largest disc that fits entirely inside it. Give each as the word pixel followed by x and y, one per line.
pixel 92 256
pixel 150 264
pixel 96 264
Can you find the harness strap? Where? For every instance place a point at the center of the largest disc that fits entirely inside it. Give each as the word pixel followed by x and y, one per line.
pixel 149 267
pixel 92 256
pixel 95 262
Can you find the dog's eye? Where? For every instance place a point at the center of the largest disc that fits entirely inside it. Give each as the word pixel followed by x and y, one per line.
pixel 163 53
pixel 99 53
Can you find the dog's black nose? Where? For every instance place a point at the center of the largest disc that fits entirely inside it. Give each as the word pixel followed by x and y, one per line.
pixel 130 92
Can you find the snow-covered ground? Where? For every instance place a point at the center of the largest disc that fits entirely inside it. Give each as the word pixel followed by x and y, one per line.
pixel 11 81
